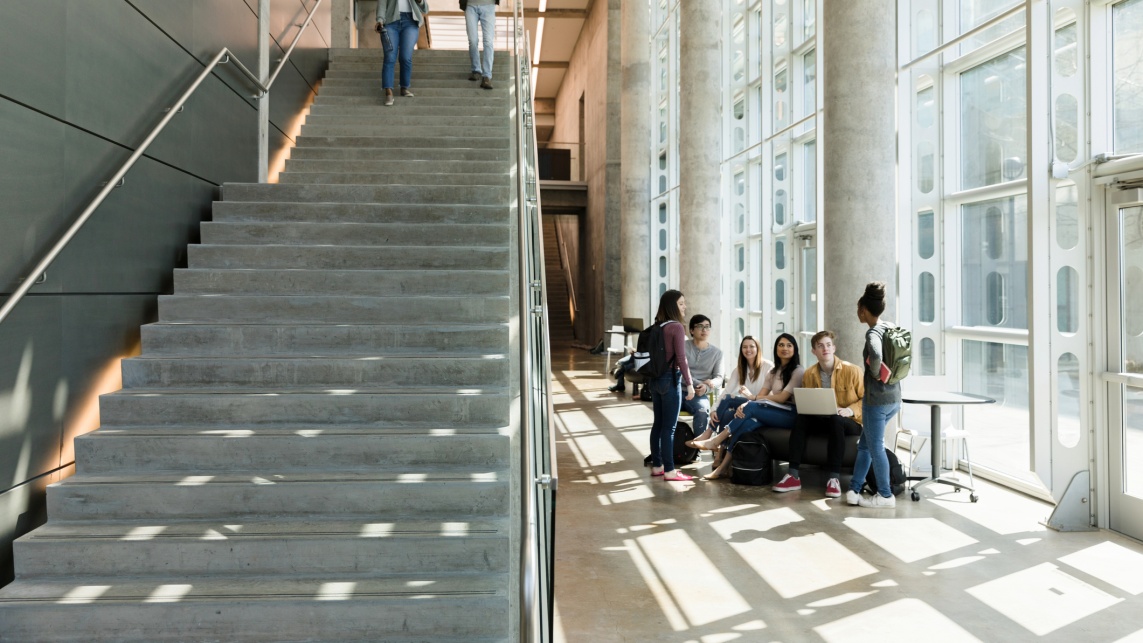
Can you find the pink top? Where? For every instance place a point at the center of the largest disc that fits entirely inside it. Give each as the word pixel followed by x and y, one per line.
pixel 674 336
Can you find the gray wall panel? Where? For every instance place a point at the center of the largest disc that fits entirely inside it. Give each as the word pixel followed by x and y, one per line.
pixel 23 509
pixel 31 173
pixel 139 232
pixel 176 19
pixel 33 392
pixel 32 48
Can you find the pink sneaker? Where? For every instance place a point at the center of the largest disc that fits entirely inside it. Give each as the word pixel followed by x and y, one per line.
pixel 787 483
pixel 677 476
pixel 656 472
pixel 833 488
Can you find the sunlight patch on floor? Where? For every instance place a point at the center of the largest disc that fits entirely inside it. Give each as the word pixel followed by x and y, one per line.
pixel 906 620
pixel 1113 564
pixel 910 539
pixel 1042 598
pixel 678 561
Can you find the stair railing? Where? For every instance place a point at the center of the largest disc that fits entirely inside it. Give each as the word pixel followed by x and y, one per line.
pixel 224 56
pixel 565 263
pixel 538 462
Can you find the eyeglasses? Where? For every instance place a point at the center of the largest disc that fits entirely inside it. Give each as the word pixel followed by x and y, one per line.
pixel 702 327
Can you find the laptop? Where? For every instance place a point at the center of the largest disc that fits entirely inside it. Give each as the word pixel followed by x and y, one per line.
pixel 815 401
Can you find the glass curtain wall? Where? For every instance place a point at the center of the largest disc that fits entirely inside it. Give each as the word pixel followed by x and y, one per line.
pixel 664 150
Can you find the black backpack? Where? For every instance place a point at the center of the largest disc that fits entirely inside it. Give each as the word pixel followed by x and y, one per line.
pixel 751 464
pixel 683 454
pixel 651 352
pixel 896 476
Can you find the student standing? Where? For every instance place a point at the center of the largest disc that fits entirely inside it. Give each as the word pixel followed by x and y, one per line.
pixel 402 20
pixel 667 389
pixel 882 402
pixel 480 16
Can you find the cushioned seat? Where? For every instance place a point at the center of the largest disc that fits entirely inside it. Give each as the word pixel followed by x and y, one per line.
pixel 778 441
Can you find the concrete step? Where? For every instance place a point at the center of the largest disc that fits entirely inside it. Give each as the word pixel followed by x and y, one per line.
pixel 371 73
pixel 499 111
pixel 330 257
pixel 454 494
pixel 332 309
pixel 371 371
pixel 402 154
pixel 454 81
pixel 399 609
pixel 353 234
pixel 404 194
pixel 198 549
pixel 402 139
pixel 322 339
pixel 383 129
pixel 436 55
pixel 419 406
pixel 294 177
pixel 371 283
pixel 423 92
pixel 295 448
pixel 420 64
pixel 426 99
pixel 270 211
pixel 418 119
pixel 394 166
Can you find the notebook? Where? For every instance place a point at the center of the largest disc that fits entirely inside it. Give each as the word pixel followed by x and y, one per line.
pixel 815 401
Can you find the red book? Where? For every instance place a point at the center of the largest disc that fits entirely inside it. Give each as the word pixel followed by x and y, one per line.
pixel 883 376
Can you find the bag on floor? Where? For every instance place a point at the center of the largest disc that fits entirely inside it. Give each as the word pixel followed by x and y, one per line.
pixel 896 476
pixel 683 454
pixel 751 463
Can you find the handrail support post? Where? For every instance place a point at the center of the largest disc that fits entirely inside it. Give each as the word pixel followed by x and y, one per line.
pixel 263 96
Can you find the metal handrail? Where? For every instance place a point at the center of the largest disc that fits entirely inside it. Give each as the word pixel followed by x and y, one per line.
pixel 223 57
pixel 537 472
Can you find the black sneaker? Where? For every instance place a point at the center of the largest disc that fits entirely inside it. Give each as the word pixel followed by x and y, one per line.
pixel 617 388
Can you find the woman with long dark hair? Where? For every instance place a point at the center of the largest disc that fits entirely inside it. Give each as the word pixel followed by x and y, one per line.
pixel 881 402
pixel 667 389
pixel 772 407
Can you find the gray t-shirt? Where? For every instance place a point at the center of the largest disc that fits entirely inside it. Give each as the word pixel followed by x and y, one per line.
pixel 705 364
pixel 479 3
pixel 827 377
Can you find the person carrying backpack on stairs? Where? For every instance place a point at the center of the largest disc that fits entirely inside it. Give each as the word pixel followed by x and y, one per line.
pixel 667 386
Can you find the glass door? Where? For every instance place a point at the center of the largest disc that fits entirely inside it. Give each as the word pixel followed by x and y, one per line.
pixel 1124 379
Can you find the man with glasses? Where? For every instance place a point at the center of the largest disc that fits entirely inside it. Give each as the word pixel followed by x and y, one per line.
pixel 705 361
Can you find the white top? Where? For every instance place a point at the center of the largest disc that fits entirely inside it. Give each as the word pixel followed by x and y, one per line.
pixel 732 382
pixel 774 381
pixel 403 6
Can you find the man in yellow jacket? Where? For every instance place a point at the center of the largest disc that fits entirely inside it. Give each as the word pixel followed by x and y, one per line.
pixel 846 381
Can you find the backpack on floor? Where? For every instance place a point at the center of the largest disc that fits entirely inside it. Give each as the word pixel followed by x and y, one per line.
pixel 650 358
pixel 751 464
pixel 683 454
pixel 896 476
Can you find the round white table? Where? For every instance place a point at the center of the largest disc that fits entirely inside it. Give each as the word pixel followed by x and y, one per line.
pixel 935 400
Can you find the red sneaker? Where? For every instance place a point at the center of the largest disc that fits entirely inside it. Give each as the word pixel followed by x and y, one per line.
pixel 833 488
pixel 787 483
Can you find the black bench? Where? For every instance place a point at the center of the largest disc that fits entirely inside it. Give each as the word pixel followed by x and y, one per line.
pixel 817 446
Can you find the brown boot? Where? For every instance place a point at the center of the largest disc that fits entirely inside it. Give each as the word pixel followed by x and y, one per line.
pixel 486 83
pixel 388 98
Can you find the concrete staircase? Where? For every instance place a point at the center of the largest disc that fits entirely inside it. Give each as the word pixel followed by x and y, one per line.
pixel 560 330
pixel 314 443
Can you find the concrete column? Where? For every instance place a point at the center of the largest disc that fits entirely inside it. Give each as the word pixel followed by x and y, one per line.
pixel 700 155
pixel 859 140
pixel 635 144
pixel 343 32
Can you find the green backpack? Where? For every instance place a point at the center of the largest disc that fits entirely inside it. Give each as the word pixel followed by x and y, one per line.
pixel 897 353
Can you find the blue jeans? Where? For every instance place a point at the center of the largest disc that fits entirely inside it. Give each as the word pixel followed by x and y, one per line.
pixel 485 16
pixel 760 415
pixel 699 407
pixel 666 398
pixel 404 34
pixel 871 448
pixel 725 410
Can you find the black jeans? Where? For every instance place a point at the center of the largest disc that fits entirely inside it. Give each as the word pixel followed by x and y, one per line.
pixel 834 426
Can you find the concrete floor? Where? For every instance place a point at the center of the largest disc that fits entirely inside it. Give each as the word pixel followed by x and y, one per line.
pixel 643 560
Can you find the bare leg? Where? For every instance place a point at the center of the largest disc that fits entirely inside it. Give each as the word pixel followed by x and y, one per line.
pixel 722 471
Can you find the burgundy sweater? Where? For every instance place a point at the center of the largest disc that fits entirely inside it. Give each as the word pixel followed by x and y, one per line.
pixel 674 336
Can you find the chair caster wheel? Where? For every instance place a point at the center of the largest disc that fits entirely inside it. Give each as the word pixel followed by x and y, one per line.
pixel 974 497
pixel 956 489
pixel 915 496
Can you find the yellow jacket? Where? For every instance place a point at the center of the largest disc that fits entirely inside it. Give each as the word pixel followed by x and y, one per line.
pixel 847 383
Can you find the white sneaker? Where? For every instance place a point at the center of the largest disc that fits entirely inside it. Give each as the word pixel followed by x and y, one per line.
pixel 878 501
pixel 852 498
